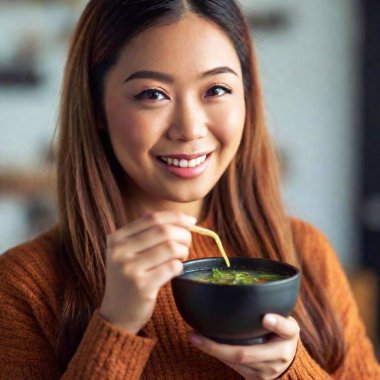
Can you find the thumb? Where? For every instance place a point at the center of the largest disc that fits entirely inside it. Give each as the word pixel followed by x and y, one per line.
pixel 284 327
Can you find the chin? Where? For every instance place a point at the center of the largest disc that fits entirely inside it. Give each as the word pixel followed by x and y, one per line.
pixel 186 198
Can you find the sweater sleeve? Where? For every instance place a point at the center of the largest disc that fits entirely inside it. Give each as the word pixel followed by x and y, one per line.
pixel 107 352
pixel 28 320
pixel 360 361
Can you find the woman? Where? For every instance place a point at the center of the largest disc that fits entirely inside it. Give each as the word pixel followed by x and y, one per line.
pixel 162 126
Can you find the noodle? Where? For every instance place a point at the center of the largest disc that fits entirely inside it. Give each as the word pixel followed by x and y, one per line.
pixel 207 232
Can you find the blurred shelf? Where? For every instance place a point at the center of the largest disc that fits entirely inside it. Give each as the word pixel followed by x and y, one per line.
pixel 27 182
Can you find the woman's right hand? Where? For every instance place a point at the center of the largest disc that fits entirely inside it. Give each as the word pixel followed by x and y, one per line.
pixel 142 257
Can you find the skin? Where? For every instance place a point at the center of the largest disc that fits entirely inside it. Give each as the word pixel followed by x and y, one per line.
pixel 190 113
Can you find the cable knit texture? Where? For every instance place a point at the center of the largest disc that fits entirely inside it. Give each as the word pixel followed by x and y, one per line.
pixel 30 306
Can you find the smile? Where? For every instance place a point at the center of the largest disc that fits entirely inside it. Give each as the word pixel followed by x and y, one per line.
pixel 183 163
pixel 185 166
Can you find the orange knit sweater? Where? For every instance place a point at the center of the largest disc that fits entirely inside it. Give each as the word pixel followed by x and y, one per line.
pixel 29 310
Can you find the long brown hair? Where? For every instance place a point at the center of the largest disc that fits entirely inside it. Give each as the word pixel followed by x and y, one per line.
pixel 245 205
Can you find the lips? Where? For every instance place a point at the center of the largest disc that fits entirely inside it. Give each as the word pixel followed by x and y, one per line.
pixel 185 165
pixel 184 160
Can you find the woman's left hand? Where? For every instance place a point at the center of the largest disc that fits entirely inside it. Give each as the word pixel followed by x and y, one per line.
pixel 265 361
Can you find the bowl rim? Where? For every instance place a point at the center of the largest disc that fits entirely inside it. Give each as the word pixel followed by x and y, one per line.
pixel 264 284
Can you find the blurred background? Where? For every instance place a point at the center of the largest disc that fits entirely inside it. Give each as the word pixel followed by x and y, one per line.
pixel 320 67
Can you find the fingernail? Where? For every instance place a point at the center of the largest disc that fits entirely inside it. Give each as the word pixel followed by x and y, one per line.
pixel 190 220
pixel 195 339
pixel 271 320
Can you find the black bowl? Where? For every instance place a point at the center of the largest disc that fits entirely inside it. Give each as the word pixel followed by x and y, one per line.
pixel 232 314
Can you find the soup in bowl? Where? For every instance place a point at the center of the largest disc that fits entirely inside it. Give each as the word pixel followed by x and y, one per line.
pixel 228 304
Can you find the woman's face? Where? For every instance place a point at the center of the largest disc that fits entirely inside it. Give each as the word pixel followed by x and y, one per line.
pixel 175 111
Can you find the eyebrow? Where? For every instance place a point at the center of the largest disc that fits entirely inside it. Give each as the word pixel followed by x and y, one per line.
pixel 148 74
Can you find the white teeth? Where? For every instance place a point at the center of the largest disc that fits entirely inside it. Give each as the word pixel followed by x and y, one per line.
pixel 191 164
pixel 184 163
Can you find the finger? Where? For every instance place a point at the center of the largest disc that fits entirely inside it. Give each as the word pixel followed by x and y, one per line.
pixel 247 371
pixel 149 220
pixel 158 255
pixel 162 274
pixel 232 354
pixel 286 328
pixel 154 236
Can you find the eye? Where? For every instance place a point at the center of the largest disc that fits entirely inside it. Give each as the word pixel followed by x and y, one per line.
pixel 218 90
pixel 151 94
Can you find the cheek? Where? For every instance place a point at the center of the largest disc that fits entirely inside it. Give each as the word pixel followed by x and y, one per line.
pixel 124 137
pixel 229 124
pixel 131 132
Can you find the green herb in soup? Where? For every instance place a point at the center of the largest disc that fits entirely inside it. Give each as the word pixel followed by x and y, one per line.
pixel 234 277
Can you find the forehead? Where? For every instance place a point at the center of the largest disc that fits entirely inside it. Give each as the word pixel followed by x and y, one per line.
pixel 192 44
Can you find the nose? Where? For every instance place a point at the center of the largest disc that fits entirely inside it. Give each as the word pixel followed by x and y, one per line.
pixel 189 121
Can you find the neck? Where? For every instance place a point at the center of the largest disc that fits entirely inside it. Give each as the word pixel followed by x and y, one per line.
pixel 191 208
